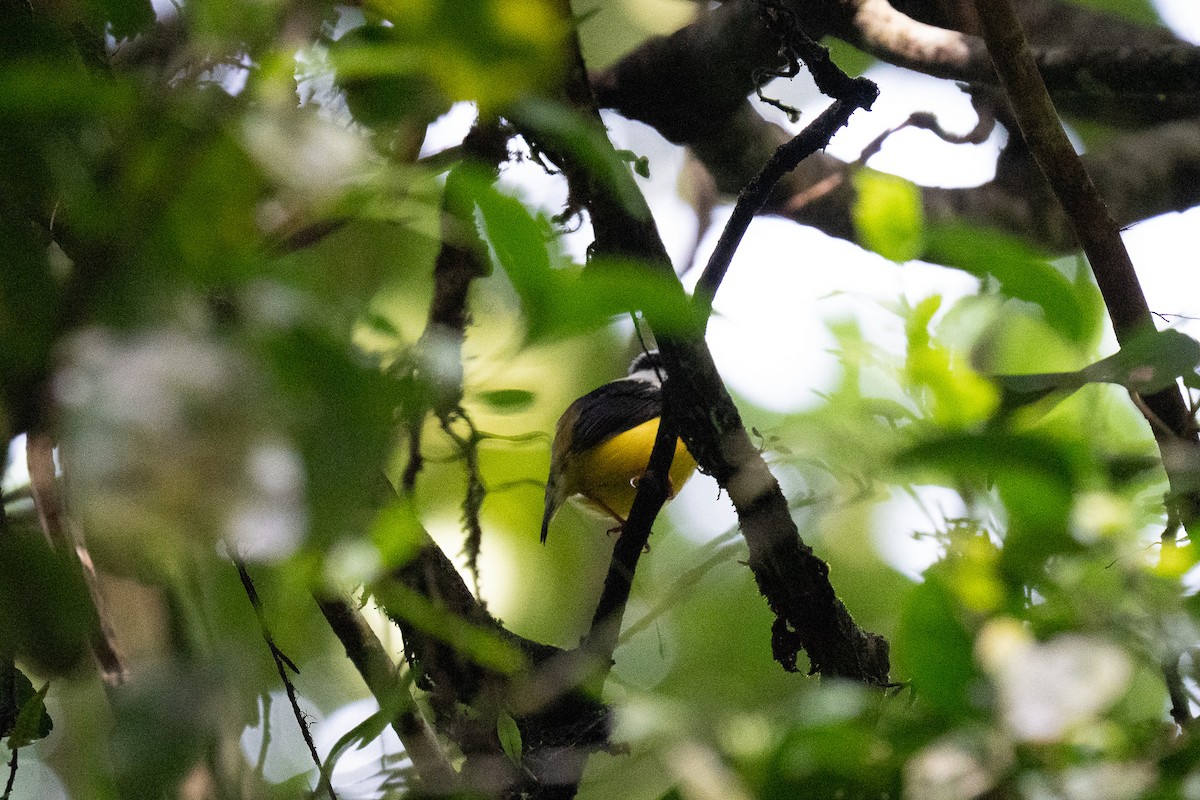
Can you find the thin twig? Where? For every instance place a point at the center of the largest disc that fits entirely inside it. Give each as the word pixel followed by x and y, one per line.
pixel 1181 710
pixel 282 663
pixel 12 775
pixel 416 460
pixel 261 763
pixel 850 95
pixel 652 492
pixel 751 200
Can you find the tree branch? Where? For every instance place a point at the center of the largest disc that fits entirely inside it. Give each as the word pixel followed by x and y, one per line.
pixel 66 540
pixel 669 83
pixel 794 581
pixel 378 671
pixel 282 664
pixel 1113 269
pixel 1091 222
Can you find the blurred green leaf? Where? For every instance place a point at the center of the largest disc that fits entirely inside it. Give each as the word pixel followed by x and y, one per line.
pixel 561 302
pixel 980 456
pixel 126 17
pixel 45 611
pixel 888 216
pixel 384 76
pixel 484 647
pixel 359 736
pixel 508 401
pixel 463 47
pixel 1141 11
pixel 1147 364
pixel 1034 476
pixel 934 649
pixel 850 59
pixel 1020 273
pixel 339 410
pixel 519 241
pixel 164 722
pixel 960 397
pixel 563 128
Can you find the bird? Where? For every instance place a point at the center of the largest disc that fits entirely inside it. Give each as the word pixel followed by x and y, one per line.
pixel 603 441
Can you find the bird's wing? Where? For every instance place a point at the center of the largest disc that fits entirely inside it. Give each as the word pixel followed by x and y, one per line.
pixel 611 409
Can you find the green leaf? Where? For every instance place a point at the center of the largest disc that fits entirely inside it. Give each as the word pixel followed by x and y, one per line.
pixel 934 650
pixel 484 646
pixel 606 289
pixel 23 717
pixel 45 611
pixel 32 723
pixel 1147 364
pixel 1034 476
pixel 519 242
pixel 384 77
pixel 640 164
pixel 1141 11
pixel 508 401
pixel 1150 362
pixel 888 215
pixel 1020 272
pixel 853 62
pixel 564 302
pixel 359 736
pixel 510 736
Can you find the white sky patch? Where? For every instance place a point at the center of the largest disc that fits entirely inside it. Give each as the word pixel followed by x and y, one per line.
pixel 1182 16
pixel 915 154
pixel 904 526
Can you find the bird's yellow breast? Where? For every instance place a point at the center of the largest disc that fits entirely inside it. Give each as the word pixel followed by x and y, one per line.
pixel 606 475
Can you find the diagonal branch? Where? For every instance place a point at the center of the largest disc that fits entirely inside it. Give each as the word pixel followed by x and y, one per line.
pixel 794 581
pixel 366 652
pixel 65 538
pixel 1113 269
pixel 1093 225
pixel 692 86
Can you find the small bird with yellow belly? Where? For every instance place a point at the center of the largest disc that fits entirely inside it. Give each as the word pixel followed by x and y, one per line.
pixel 603 441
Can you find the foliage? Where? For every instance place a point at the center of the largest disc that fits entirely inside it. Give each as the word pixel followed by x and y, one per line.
pixel 215 297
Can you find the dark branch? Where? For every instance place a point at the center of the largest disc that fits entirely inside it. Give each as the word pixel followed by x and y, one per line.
pixel 366 652
pixel 752 199
pixel 794 581
pixel 691 86
pixel 1093 226
pixel 66 540
pixel 653 491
